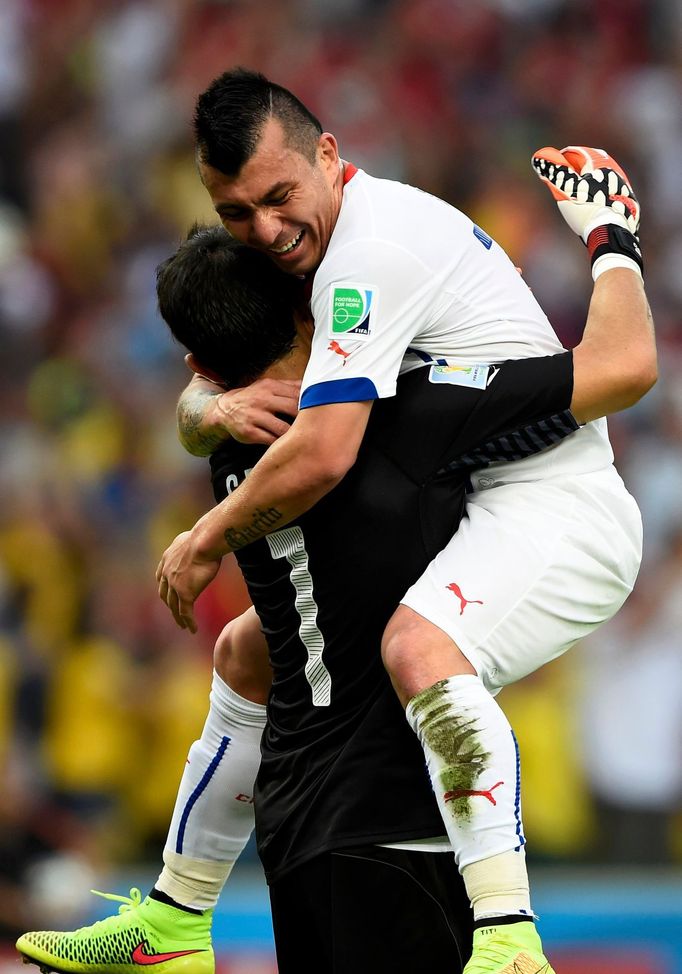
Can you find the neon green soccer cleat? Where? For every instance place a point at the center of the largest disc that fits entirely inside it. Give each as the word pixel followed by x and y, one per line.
pixel 510 948
pixel 143 934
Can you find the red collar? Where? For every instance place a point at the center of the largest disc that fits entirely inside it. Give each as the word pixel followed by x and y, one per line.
pixel 349 170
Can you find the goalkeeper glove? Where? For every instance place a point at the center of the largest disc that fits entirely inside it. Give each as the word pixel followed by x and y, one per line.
pixel 596 199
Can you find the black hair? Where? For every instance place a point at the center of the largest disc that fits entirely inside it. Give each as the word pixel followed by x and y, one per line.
pixel 230 115
pixel 228 304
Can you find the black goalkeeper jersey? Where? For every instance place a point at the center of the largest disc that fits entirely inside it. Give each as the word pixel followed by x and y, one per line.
pixel 340 765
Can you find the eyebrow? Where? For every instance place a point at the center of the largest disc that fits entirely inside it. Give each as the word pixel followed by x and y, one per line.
pixel 275 190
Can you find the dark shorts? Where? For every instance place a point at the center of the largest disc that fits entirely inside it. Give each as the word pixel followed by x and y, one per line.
pixel 371 910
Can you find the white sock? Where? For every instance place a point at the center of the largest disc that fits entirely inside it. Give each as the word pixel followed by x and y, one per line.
pixel 473 762
pixel 498 886
pixel 213 816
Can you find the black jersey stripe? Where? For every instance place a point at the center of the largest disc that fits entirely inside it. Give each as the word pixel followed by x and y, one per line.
pixel 516 445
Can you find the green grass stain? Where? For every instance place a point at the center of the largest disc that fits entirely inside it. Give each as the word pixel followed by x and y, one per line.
pixel 452 736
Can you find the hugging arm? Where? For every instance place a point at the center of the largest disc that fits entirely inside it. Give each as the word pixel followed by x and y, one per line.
pixel 207 414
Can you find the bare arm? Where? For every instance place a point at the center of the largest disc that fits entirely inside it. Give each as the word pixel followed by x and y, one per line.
pixel 197 428
pixel 615 363
pixel 207 415
pixel 299 469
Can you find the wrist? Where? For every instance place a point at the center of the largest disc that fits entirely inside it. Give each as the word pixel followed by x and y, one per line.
pixel 221 414
pixel 207 538
pixel 611 246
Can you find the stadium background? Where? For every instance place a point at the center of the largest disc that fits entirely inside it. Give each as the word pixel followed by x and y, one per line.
pixel 100 695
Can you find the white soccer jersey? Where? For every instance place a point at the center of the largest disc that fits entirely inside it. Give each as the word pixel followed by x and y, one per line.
pixel 405 270
pixel 409 279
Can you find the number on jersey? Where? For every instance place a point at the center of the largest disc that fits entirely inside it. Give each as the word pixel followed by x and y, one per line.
pixel 289 543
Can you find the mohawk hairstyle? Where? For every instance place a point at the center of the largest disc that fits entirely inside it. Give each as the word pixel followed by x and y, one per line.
pixel 227 304
pixel 231 113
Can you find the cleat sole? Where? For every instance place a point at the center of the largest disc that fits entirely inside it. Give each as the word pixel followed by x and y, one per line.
pixel 42 967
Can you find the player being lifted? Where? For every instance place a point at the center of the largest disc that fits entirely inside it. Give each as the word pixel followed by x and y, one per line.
pixel 391 295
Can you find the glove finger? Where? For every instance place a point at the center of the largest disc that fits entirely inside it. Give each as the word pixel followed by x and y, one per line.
pixel 585 159
pixel 552 167
pixel 588 185
pixel 620 194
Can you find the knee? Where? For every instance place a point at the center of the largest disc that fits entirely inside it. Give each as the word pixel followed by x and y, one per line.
pixel 223 657
pixel 416 654
pixel 242 664
pixel 402 652
pixel 395 644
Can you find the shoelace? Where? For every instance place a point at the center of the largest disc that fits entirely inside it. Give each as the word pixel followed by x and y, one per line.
pixel 127 902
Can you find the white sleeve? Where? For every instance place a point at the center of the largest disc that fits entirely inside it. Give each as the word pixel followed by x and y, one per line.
pixel 369 301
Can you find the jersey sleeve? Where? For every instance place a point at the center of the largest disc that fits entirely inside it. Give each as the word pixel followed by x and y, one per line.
pixel 526 390
pixel 524 410
pixel 368 303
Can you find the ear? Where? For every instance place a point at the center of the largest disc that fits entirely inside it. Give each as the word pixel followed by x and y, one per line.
pixel 328 151
pixel 195 366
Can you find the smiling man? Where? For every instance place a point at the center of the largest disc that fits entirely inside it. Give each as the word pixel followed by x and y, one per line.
pixel 403 281
pixel 285 179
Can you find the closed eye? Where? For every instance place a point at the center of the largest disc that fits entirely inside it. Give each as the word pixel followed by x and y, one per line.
pixel 229 214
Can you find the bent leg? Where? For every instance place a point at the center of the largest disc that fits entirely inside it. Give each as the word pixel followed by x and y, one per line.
pixel 533 568
pixel 471 754
pixel 213 816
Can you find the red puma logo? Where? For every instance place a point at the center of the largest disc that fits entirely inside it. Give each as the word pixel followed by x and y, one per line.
pixel 450 796
pixel 456 590
pixel 335 347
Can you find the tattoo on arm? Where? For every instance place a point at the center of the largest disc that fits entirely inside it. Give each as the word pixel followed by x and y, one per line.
pixel 191 413
pixel 262 523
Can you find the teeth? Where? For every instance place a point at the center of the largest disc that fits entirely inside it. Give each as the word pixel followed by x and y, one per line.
pixel 290 246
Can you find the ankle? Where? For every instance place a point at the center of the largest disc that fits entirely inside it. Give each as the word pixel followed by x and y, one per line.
pixel 161 897
pixel 498 887
pixel 501 921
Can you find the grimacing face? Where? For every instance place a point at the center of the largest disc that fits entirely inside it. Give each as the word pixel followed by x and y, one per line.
pixel 279 202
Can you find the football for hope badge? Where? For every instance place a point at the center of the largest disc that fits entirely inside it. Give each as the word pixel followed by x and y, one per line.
pixel 352 308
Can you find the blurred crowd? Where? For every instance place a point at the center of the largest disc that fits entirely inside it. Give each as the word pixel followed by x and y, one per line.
pixel 100 694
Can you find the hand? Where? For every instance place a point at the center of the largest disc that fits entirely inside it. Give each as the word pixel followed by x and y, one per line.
pixel 590 188
pixel 183 574
pixel 250 415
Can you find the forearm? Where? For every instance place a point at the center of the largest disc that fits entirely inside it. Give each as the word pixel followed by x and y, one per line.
pixel 615 363
pixel 299 469
pixel 284 484
pixel 619 316
pixel 208 414
pixel 196 413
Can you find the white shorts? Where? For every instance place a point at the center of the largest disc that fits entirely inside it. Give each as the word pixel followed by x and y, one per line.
pixel 533 568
